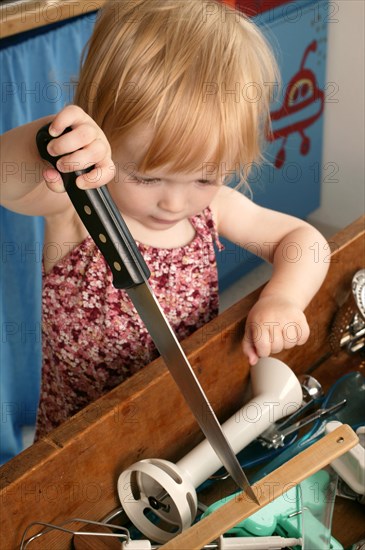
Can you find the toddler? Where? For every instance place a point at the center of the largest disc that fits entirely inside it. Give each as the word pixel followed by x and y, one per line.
pixel 158 94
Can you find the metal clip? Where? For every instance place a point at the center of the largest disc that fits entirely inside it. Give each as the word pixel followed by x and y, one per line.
pixel 312 395
pixel 275 438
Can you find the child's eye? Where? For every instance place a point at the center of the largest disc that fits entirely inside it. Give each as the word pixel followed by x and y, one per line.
pixel 146 181
pixel 206 182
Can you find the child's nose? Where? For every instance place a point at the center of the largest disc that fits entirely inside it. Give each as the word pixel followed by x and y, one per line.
pixel 173 200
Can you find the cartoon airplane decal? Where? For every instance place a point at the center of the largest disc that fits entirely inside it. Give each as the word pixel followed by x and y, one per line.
pixel 302 106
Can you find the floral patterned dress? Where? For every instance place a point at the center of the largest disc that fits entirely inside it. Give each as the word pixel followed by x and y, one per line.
pixel 93 338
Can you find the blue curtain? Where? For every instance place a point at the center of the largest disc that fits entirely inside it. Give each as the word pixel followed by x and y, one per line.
pixel 39 71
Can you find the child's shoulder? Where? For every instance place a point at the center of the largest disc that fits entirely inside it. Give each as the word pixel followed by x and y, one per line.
pixel 227 199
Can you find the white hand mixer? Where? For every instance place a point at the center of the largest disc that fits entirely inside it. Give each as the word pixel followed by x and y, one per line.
pixel 159 497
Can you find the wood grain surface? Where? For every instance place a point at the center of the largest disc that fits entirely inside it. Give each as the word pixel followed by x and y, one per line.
pixel 73 471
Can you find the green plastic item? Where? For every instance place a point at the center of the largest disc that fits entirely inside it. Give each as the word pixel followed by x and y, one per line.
pixel 283 515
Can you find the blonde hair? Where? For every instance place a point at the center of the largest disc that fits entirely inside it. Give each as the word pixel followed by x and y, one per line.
pixel 199 72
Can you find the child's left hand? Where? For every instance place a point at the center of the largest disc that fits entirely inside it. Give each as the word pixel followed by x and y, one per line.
pixel 274 323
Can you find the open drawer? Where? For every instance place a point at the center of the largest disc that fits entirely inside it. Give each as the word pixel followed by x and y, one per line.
pixel 73 471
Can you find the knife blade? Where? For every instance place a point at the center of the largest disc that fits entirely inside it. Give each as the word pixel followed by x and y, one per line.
pixel 111 235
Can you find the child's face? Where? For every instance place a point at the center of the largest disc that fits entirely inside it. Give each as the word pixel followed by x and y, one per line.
pixel 161 198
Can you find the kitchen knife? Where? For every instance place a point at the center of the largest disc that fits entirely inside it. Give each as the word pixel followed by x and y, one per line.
pixel 107 228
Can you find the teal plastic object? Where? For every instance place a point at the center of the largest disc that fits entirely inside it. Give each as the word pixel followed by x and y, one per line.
pixel 283 515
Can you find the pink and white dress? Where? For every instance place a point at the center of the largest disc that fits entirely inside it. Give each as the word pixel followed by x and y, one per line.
pixel 93 338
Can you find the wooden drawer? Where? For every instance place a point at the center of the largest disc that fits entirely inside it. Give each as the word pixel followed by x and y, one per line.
pixel 73 471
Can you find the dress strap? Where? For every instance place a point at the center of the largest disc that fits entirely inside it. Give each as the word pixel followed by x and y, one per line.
pixel 204 223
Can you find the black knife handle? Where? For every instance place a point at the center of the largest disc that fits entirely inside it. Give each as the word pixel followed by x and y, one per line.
pixel 103 221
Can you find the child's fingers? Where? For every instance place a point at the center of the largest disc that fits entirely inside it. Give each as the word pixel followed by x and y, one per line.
pixel 250 352
pixel 78 138
pixel 85 146
pixel 101 174
pixel 95 178
pixel 72 115
pixel 53 180
pixel 303 333
pixel 256 342
pixel 263 340
pixel 263 345
pixel 93 154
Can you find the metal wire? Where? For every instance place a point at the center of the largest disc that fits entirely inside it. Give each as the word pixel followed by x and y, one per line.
pixel 124 533
pixel 113 514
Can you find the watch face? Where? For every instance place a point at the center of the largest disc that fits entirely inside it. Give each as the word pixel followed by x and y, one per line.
pixel 358 289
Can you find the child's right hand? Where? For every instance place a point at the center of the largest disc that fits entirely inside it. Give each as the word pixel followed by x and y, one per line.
pixel 86 145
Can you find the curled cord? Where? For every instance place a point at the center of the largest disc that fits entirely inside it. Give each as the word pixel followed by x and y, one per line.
pixel 124 533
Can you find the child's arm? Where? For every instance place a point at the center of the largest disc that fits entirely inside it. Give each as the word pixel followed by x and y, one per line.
pixel 27 182
pixel 298 253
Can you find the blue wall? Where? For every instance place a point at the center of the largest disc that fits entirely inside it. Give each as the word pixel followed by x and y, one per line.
pixel 289 178
pixel 38 75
